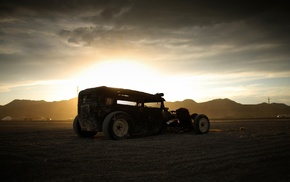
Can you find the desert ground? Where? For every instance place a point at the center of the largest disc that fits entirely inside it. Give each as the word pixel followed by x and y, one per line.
pixel 241 150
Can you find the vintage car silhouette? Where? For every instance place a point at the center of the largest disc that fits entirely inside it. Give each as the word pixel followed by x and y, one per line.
pixel 122 113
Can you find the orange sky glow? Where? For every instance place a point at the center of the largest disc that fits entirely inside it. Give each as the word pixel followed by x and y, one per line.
pixel 184 49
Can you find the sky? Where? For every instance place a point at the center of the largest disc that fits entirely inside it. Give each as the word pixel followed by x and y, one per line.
pixel 187 49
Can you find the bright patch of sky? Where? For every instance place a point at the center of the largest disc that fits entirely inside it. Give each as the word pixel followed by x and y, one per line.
pixel 187 49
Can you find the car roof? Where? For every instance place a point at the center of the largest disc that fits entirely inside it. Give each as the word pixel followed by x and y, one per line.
pixel 124 94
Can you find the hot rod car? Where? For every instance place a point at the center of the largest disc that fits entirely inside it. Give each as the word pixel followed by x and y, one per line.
pixel 121 113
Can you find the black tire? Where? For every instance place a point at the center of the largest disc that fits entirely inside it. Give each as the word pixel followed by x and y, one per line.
pixel 79 132
pixel 201 124
pixel 118 125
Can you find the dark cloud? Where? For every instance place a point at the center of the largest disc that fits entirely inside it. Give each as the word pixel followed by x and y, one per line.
pixel 184 12
pixel 205 31
pixel 46 40
pixel 150 18
pixel 107 8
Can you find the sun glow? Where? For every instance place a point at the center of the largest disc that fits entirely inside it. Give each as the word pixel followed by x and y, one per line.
pixel 117 73
pixel 139 76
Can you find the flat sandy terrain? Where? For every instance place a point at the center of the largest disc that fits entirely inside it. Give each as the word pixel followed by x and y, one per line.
pixel 252 150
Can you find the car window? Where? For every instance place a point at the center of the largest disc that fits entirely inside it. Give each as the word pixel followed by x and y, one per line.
pixel 125 102
pixel 153 104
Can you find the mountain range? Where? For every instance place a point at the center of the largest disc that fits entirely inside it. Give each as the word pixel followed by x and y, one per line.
pixel 40 110
pixel 214 109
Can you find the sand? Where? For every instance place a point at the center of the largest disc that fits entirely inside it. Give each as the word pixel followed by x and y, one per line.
pixel 244 150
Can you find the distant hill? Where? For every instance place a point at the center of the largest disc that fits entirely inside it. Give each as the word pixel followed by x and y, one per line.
pixel 28 109
pixel 214 109
pixel 225 108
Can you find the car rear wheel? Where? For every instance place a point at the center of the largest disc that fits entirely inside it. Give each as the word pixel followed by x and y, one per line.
pixel 117 126
pixel 201 124
pixel 78 130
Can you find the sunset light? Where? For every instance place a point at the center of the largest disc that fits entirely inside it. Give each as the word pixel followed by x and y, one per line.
pixel 115 73
pixel 187 50
pixel 189 90
pixel 138 76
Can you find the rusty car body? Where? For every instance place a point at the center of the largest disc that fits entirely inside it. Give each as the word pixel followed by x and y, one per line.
pixel 121 113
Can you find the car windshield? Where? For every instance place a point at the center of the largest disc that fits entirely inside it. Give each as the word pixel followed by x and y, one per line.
pixel 153 104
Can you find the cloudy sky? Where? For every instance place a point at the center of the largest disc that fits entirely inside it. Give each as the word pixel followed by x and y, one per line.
pixel 195 49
